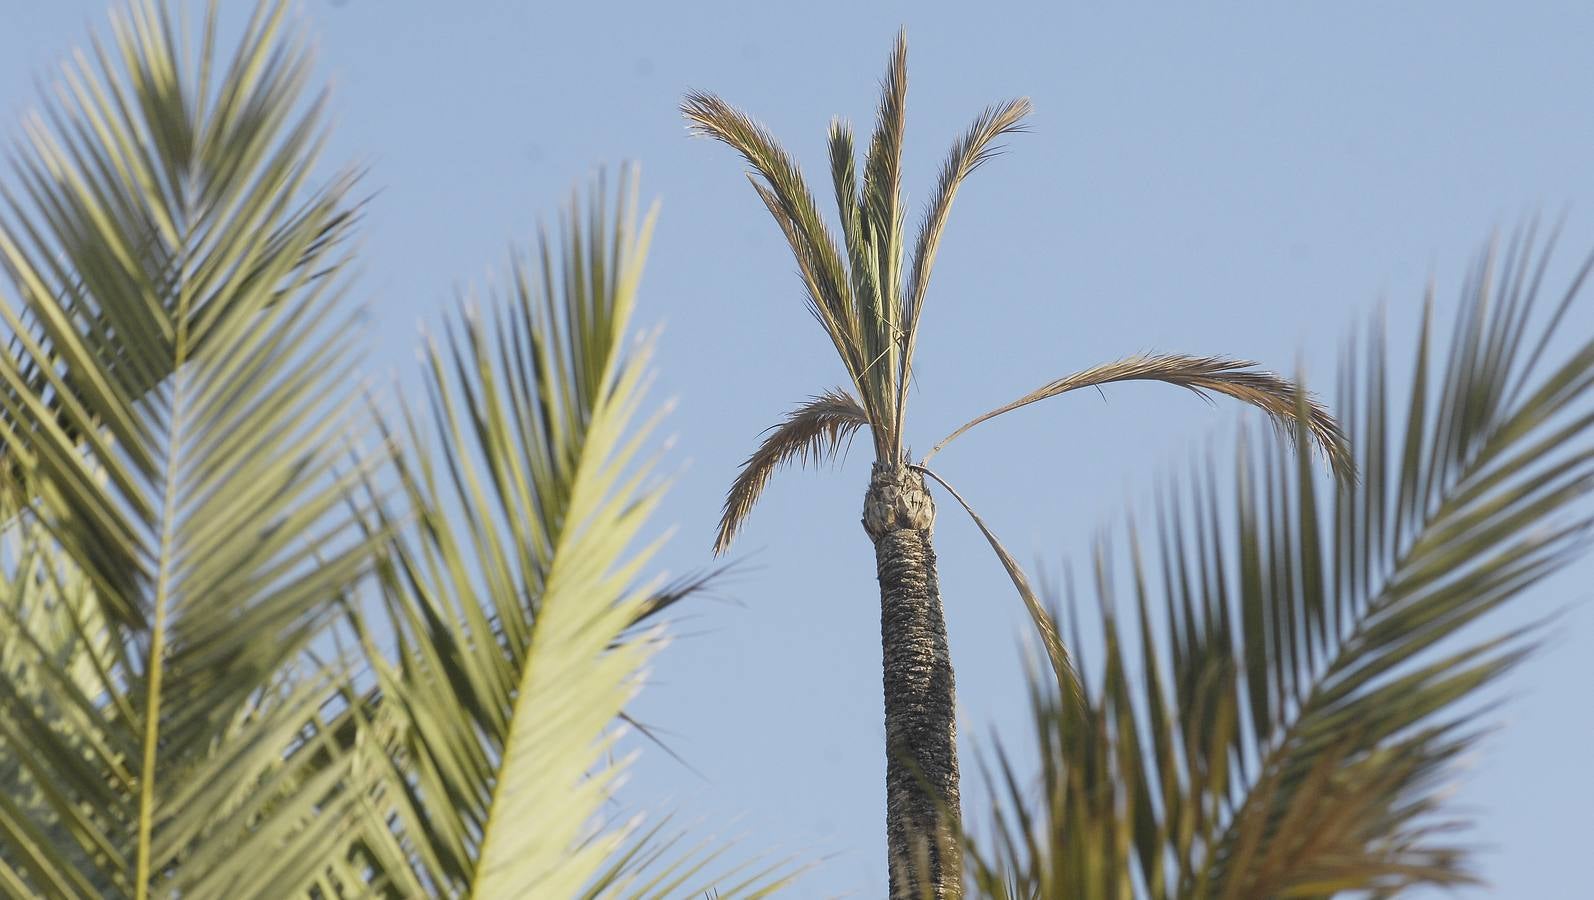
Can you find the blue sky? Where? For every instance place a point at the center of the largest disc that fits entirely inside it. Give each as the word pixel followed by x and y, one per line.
pixel 1241 178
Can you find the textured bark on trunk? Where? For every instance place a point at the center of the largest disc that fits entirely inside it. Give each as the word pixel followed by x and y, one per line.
pixel 921 731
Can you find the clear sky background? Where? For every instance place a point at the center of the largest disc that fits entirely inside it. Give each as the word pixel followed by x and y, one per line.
pixel 1241 178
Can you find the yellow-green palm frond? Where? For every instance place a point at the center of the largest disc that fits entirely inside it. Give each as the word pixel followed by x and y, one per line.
pixel 175 396
pixel 53 654
pixel 1283 720
pixel 513 597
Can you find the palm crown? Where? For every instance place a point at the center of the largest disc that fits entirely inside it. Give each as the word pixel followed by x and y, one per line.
pixel 868 293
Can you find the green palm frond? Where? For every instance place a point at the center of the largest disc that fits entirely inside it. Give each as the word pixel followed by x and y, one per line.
pixel 512 599
pixel 1282 722
pixel 175 396
pixel 1202 375
pixel 814 431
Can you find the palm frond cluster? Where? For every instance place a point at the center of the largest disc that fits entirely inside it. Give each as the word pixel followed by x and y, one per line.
pixel 870 307
pixel 197 505
pixel 260 639
pixel 857 288
pixel 1284 688
pixel 176 385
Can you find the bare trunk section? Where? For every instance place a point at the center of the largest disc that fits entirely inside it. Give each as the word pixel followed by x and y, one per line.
pixel 921 731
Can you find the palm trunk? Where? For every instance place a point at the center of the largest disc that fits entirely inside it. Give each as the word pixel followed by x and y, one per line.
pixel 921 731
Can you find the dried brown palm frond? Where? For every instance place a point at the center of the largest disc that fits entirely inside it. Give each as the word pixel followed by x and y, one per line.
pixel 1045 627
pixel 1274 395
pixel 811 432
pixel 789 200
pixel 971 151
pixel 877 247
pixel 882 174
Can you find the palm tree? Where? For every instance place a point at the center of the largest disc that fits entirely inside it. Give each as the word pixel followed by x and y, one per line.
pixel 1285 718
pixel 868 293
pixel 191 508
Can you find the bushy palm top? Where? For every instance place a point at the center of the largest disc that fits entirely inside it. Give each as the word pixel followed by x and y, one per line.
pixel 868 290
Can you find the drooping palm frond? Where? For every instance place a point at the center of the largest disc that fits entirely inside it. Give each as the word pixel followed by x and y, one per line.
pixel 512 598
pixel 1283 721
pixel 1277 397
pixel 1045 627
pixel 176 393
pixel 814 431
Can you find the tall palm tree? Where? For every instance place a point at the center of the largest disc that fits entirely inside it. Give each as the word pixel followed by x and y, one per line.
pixel 868 292
pixel 189 510
pixel 1285 718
